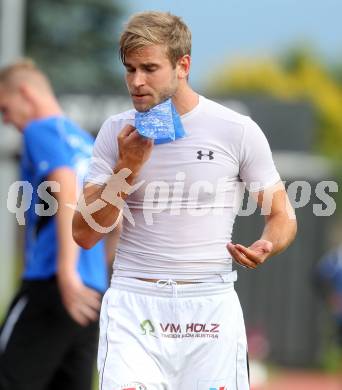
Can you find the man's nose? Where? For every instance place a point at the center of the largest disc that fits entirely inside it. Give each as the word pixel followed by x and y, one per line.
pixel 138 79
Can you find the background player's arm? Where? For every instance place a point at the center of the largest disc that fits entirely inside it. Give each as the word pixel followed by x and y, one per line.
pixel 134 151
pixel 81 302
pixel 279 230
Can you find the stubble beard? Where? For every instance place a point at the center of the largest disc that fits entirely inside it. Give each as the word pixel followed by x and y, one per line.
pixel 161 96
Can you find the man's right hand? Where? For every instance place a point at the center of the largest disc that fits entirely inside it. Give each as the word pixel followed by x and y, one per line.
pixel 81 302
pixel 134 150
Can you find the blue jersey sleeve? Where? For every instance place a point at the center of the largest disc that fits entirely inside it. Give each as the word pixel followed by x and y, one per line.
pixel 46 148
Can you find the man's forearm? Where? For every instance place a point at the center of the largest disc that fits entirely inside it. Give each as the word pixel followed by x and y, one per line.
pixel 96 215
pixel 280 230
pixel 67 250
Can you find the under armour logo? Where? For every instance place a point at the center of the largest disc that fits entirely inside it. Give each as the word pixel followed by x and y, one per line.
pixel 210 155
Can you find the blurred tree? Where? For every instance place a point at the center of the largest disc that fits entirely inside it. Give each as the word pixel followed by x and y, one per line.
pixel 75 42
pixel 336 70
pixel 297 75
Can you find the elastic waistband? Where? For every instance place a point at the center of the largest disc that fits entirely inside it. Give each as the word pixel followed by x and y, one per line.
pixel 170 288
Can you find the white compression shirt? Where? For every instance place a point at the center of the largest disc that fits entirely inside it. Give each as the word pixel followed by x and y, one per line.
pixel 185 207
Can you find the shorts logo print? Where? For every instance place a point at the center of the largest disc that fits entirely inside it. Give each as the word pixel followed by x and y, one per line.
pixel 147 328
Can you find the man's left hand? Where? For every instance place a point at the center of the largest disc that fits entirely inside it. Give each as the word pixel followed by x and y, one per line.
pixel 252 256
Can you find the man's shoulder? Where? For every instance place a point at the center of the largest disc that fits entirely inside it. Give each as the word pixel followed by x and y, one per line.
pixel 35 126
pixel 57 131
pixel 53 124
pixel 40 132
pixel 128 116
pixel 113 124
pixel 218 110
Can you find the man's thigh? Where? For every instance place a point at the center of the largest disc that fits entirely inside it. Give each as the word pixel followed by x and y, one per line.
pixel 125 358
pixel 34 337
pixel 213 350
pixel 77 367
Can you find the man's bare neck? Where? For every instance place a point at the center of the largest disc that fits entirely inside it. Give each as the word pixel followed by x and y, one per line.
pixel 185 100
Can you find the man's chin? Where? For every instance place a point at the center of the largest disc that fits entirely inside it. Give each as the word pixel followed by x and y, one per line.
pixel 143 107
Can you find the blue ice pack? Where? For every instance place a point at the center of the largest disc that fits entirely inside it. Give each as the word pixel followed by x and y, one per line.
pixel 162 123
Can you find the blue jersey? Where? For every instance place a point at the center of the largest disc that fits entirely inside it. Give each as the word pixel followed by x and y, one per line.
pixel 50 144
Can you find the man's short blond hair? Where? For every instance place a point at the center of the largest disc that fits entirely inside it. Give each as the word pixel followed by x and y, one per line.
pixel 156 28
pixel 24 70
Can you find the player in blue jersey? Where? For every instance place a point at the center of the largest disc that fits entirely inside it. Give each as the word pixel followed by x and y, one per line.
pixel 49 336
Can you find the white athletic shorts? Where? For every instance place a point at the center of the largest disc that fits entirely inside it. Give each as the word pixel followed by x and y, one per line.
pixel 168 336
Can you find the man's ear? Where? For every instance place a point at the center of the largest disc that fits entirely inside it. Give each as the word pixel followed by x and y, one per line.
pixel 183 65
pixel 26 92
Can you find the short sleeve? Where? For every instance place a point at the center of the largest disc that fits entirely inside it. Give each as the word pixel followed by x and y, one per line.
pixel 257 168
pixel 105 155
pixel 47 149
